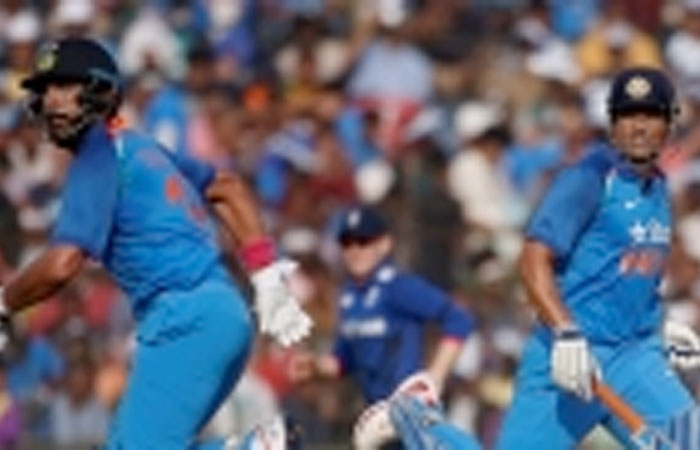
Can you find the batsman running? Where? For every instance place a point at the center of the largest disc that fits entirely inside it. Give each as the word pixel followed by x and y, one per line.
pixel 592 263
pixel 145 215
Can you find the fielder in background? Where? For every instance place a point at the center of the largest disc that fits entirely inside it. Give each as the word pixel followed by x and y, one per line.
pixel 382 314
pixel 144 214
pixel 594 256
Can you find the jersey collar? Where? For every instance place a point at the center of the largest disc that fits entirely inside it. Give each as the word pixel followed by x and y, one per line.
pixel 624 170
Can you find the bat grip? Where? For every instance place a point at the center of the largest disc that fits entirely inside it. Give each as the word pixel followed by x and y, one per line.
pixel 618 406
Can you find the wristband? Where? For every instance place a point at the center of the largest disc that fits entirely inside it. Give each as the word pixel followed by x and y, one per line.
pixel 258 254
pixel 568 332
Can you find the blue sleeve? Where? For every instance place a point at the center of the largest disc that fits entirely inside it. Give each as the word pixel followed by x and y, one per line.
pixel 199 173
pixel 416 297
pixel 566 209
pixel 89 195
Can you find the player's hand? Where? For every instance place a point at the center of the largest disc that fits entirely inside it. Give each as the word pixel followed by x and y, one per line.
pixel 420 385
pixel 279 313
pixel 682 345
pixel 573 366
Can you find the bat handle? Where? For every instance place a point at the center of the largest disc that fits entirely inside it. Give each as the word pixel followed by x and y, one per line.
pixel 618 406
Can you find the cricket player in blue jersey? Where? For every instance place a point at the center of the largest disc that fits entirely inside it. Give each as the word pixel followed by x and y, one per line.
pixel 382 314
pixel 592 262
pixel 144 214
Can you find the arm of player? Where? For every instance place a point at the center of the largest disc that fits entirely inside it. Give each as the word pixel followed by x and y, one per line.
pixel 43 277
pixel 444 360
pixel 417 298
pixel 279 312
pixel 553 233
pixel 83 225
pixel 572 364
pixel 535 268
pixel 82 228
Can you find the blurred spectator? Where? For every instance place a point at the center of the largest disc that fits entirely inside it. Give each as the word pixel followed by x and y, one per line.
pixel 149 44
pixel 327 58
pixel 73 17
pixel 34 369
pixel 392 76
pixel 479 182
pixel 78 419
pixel 547 55
pixel 169 112
pixel 22 33
pixel 10 416
pixel 572 19
pixel 683 42
pixel 614 42
pixel 251 403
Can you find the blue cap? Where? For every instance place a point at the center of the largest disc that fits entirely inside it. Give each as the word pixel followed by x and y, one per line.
pixel 642 88
pixel 78 59
pixel 361 222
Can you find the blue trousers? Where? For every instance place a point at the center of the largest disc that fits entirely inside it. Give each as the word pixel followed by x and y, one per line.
pixel 192 347
pixel 543 416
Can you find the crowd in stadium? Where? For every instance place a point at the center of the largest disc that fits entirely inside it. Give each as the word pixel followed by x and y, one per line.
pixel 450 117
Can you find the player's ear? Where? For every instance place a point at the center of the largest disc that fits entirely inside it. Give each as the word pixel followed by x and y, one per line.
pixel 386 244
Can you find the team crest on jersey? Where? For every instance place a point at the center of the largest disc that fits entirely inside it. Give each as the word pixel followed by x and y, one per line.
pixel 638 87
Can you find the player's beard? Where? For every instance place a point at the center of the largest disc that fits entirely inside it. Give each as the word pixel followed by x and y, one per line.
pixel 64 130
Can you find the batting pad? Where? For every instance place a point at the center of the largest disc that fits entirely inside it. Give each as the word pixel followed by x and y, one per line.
pixel 684 430
pixel 423 427
pixel 680 433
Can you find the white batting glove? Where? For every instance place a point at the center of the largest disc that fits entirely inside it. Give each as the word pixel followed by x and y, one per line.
pixel 373 429
pixel 682 345
pixel 573 366
pixel 279 313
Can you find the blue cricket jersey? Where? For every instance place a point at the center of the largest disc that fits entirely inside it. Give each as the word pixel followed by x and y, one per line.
pixel 138 209
pixel 381 324
pixel 610 231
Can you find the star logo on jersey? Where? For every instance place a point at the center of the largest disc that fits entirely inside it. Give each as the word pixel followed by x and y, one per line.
pixel 638 232
pixel 638 87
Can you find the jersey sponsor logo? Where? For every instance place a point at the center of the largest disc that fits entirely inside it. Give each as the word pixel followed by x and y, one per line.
pixel 365 328
pixel 651 232
pixel 642 261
